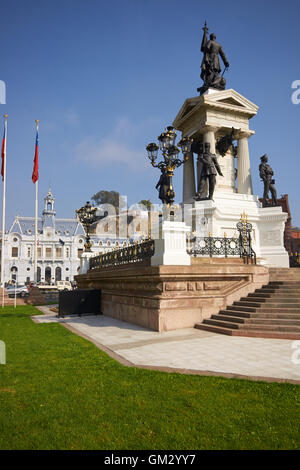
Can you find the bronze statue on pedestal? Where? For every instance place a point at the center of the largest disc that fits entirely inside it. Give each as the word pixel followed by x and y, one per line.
pixel 211 67
pixel 208 170
pixel 266 173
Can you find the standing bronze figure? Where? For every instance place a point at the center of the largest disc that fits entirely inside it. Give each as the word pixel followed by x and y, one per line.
pixel 207 174
pixel 163 186
pixel 211 67
pixel 266 173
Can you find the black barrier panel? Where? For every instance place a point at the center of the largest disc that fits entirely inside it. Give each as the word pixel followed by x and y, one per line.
pixel 79 302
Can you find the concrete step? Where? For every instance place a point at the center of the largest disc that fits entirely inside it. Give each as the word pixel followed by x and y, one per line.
pixel 274 304
pixel 272 311
pixel 289 281
pixel 257 321
pixel 231 313
pixel 279 288
pixel 253 326
pixel 223 324
pixel 248 333
pixel 266 300
pixel 261 327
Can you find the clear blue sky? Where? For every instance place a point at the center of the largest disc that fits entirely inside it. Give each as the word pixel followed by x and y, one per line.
pixel 106 77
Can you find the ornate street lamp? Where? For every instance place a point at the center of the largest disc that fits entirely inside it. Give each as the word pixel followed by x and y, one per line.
pixel 87 216
pixel 170 161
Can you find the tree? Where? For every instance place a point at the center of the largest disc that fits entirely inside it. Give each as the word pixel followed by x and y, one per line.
pixel 109 197
pixel 147 203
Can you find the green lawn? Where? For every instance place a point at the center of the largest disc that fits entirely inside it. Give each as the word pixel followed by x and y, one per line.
pixel 58 391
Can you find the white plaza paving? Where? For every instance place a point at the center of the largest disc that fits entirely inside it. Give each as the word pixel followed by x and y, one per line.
pixel 188 349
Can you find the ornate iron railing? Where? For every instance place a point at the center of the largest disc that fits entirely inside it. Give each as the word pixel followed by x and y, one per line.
pixel 131 254
pixel 221 246
pixel 213 246
pixel 294 260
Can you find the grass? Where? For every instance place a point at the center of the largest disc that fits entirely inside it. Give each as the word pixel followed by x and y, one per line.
pixel 58 391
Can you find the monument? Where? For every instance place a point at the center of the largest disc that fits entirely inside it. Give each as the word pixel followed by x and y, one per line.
pixel 162 283
pixel 214 120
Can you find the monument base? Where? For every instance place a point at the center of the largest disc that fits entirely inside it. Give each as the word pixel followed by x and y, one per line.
pixel 166 298
pixel 220 215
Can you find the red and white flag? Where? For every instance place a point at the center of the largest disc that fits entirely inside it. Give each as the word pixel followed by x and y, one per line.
pixel 3 152
pixel 35 173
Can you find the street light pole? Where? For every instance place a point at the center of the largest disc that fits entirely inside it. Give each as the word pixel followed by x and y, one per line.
pixel 87 216
pixel 170 161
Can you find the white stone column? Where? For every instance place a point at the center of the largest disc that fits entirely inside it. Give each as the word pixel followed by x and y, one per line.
pixel 209 137
pixel 188 186
pixel 244 180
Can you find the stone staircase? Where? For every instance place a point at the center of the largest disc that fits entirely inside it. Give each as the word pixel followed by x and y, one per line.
pixel 270 312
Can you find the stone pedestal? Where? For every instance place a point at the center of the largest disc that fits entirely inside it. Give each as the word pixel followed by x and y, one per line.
pixel 172 297
pixel 222 214
pixel 207 118
pixel 170 249
pixel 85 261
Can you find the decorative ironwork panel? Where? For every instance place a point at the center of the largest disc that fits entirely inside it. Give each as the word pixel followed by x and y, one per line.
pixel 130 254
pixel 214 246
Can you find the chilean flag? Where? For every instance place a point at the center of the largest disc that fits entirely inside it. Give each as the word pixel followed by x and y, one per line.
pixel 35 173
pixel 3 154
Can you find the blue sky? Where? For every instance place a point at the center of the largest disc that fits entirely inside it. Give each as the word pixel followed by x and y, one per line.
pixel 105 79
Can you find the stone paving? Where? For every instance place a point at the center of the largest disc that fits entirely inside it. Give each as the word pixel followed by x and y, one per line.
pixel 188 350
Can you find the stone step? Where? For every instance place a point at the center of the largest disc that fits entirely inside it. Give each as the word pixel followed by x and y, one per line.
pixel 247 303
pixel 232 313
pixel 270 312
pixel 214 329
pixel 266 300
pixel 261 327
pixel 279 288
pixel 284 282
pixel 224 324
pixel 263 309
pixel 257 321
pixel 248 333
pixel 253 326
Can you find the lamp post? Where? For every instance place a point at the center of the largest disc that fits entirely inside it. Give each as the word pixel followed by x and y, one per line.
pixel 87 216
pixel 170 161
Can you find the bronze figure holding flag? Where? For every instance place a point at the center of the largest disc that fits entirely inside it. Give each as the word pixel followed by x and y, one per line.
pixel 211 67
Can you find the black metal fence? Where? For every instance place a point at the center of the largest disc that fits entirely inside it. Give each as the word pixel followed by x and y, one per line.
pixel 222 246
pixel 79 302
pixel 131 254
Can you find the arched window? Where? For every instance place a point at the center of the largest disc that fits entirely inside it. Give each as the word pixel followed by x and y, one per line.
pixel 48 275
pixel 58 273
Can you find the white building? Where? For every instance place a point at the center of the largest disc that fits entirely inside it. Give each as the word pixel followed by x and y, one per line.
pixel 60 245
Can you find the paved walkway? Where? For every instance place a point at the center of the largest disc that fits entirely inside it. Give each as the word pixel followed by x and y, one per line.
pixel 188 350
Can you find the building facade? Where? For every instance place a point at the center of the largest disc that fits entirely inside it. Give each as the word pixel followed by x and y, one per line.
pixel 59 248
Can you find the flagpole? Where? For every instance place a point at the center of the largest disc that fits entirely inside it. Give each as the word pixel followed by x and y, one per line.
pixel 35 232
pixel 35 220
pixel 3 209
